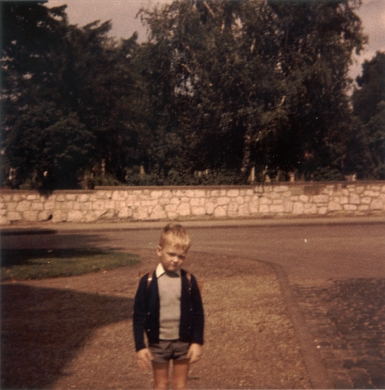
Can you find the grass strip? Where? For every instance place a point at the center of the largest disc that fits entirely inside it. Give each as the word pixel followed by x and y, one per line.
pixel 23 264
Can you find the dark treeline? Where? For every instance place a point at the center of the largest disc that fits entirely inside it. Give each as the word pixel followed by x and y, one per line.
pixel 220 89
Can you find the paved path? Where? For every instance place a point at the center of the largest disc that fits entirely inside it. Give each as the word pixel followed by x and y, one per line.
pixel 335 270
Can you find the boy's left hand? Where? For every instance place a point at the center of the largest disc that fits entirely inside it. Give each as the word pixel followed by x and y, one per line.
pixel 195 353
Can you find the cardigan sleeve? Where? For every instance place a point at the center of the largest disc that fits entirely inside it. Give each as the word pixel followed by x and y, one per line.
pixel 139 313
pixel 197 305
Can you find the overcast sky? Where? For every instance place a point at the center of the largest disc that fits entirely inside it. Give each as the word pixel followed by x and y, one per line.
pixel 122 15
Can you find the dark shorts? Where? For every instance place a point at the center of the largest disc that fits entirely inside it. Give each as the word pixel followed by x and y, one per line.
pixel 167 350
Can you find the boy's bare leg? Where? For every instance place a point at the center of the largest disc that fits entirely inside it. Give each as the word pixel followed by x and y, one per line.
pixel 180 372
pixel 160 375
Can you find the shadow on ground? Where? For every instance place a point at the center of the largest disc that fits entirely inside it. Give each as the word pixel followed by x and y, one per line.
pixel 43 329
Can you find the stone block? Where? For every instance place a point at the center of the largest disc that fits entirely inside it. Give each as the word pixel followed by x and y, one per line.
pixel 4 220
pixel 103 194
pixel 214 193
pixel 199 193
pixel 14 216
pixel 171 215
pixel 233 208
pixel 60 198
pixel 244 210
pixel 304 198
pixel 83 198
pixel 37 206
pixel 263 208
pixel 372 194
pixel 91 217
pixel 350 207
pixel 366 200
pixel 24 205
pixel 298 208
pixel 254 207
pixel 32 197
pixel 150 203
pixel 280 188
pixel 108 214
pixel 288 206
pixel 120 195
pixel 232 193
pixel 322 210
pixel 44 215
pixel 98 205
pixel 74 216
pixel 264 200
pixel 220 212
pixel 86 206
pixel 222 200
pixel 198 211
pixel 156 194
pixel 59 216
pixel 209 207
pixel 334 206
pixel 68 205
pixel 310 208
pixel 167 194
pixel 189 193
pixel 194 202
pixel 11 206
pixel 240 199
pixel 354 199
pixel 276 208
pixel 158 213
pixel 320 199
pixel 125 212
pixel 171 207
pixel 363 207
pixel 175 200
pixel 71 197
pixel 140 213
pixel 183 209
pixel 376 204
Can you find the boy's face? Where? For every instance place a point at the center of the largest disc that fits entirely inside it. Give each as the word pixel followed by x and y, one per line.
pixel 171 257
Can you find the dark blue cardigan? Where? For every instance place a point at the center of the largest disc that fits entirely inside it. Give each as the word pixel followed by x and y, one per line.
pixel 147 312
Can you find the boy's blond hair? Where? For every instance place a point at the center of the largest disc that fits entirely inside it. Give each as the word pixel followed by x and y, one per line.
pixel 175 235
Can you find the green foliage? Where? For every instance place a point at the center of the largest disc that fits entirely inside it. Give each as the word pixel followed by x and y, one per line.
pixel 367 142
pixel 220 87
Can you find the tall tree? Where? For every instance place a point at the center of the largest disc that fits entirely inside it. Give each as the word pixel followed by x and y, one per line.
pixel 366 155
pixel 69 89
pixel 259 82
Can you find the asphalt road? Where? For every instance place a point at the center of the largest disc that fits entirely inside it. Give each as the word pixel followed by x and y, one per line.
pixel 306 252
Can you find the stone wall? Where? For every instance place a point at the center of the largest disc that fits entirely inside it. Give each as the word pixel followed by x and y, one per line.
pixel 169 203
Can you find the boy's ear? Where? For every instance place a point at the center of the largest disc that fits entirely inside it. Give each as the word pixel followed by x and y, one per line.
pixel 159 250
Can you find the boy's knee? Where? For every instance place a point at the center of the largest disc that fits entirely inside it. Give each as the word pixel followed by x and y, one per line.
pixel 180 385
pixel 161 385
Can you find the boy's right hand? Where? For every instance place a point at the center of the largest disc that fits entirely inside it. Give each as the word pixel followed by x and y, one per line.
pixel 144 357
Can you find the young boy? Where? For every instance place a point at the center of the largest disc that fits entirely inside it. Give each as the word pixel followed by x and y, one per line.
pixel 169 310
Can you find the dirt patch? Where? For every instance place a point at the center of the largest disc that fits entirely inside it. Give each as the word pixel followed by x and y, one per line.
pixel 76 333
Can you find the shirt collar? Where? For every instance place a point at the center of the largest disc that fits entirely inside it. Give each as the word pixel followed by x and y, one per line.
pixel 161 271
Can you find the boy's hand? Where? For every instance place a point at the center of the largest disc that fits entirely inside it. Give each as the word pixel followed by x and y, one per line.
pixel 195 353
pixel 144 357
